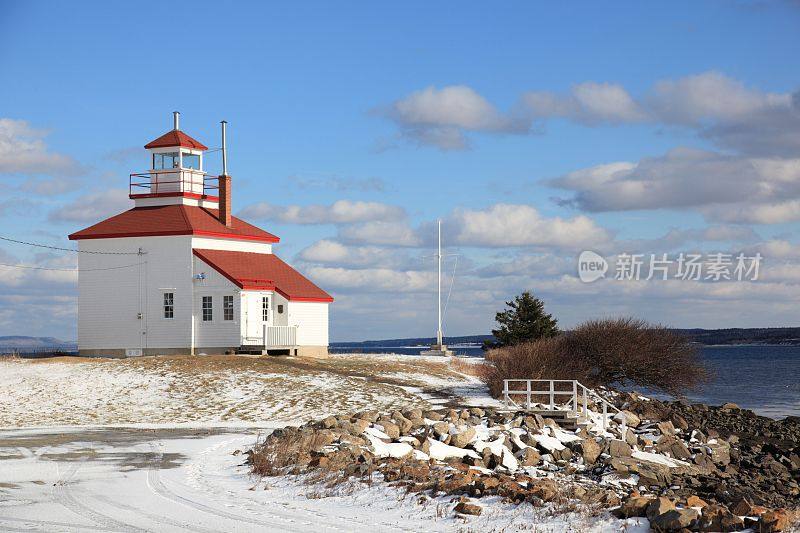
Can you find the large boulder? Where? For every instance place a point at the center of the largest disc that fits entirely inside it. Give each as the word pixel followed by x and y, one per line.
pixel 462 438
pixel 590 450
pixel 658 507
pixel 771 521
pixel 631 420
pixel 619 448
pixel 529 457
pixel 718 518
pixel 468 508
pixel 634 506
pixel 675 520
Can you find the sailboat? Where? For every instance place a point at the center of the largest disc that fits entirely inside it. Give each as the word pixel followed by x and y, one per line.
pixel 439 348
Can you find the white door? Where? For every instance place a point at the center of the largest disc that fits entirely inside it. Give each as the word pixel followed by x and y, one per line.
pixel 257 315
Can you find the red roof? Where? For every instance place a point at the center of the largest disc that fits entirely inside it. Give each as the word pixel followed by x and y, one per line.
pixel 176 138
pixel 251 271
pixel 172 220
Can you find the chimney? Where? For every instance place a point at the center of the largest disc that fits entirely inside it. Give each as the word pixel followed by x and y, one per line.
pixel 225 183
pixel 176 120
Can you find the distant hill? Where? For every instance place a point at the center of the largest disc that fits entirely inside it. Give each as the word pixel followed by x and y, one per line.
pixel 13 343
pixel 785 336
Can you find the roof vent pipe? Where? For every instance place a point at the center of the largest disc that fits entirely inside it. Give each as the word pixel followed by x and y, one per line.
pixel 224 148
pixel 176 120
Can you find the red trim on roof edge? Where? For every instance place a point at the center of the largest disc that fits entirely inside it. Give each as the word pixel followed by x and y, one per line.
pixel 231 236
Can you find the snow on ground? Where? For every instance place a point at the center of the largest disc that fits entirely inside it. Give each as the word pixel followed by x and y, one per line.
pixel 209 391
pixel 123 458
pixel 121 480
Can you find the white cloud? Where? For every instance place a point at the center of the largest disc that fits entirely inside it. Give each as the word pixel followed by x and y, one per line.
pixel 710 96
pixel 588 103
pixel 380 232
pixel 93 207
pixel 440 117
pixel 332 252
pixel 506 225
pixel 340 212
pixel 23 150
pixel 767 213
pixel 726 188
pixel 371 280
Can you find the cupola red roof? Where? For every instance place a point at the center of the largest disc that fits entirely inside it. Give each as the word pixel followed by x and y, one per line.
pixel 252 271
pixel 173 219
pixel 176 138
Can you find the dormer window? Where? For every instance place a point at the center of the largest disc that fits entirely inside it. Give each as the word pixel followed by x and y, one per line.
pixel 190 161
pixel 169 160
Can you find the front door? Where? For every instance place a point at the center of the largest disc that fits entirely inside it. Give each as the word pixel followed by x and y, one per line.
pixel 257 315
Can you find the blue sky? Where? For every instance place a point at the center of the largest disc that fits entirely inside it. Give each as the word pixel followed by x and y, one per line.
pixel 410 112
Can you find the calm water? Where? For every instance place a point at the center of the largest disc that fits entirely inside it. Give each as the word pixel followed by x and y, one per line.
pixel 765 379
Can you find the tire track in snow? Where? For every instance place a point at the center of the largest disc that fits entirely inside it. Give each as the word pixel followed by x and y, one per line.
pixel 322 518
pixel 158 487
pixel 62 494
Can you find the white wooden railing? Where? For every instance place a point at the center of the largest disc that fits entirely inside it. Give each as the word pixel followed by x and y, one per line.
pixel 575 391
pixel 274 336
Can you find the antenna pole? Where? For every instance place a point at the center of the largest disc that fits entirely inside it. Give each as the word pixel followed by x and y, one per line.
pixel 439 339
pixel 224 148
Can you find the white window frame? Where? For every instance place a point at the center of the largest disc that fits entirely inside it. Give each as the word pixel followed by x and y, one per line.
pixel 265 301
pixel 210 308
pixel 168 307
pixel 227 306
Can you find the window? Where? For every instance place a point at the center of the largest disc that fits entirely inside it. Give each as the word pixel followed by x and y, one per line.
pixel 165 161
pixel 169 305
pixel 191 161
pixel 208 312
pixel 227 307
pixel 265 308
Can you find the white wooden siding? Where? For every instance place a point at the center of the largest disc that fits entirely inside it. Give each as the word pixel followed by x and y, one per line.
pixel 311 319
pixel 110 300
pixel 206 243
pixel 217 333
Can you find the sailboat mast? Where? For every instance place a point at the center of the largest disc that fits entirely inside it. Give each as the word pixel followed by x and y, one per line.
pixel 439 292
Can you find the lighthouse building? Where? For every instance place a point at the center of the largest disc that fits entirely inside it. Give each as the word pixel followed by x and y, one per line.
pixel 178 274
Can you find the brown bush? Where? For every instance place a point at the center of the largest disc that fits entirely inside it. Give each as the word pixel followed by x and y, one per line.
pixel 612 352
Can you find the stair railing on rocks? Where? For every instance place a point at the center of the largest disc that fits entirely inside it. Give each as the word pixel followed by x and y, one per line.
pixel 574 392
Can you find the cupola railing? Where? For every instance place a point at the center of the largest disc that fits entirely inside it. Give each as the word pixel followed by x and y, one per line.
pixel 144 184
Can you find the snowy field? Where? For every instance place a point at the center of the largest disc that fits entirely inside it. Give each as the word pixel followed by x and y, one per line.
pixel 154 444
pixel 210 391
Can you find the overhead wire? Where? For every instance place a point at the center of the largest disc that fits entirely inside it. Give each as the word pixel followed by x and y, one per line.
pixel 38 245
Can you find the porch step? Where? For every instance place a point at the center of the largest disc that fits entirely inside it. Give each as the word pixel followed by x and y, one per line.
pixel 565 419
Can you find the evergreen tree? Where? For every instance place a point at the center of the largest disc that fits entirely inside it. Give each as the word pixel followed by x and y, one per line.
pixel 524 320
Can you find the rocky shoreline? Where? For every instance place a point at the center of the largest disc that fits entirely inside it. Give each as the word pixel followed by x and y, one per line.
pixel 682 466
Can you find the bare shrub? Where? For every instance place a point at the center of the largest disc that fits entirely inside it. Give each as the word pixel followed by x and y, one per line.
pixel 624 351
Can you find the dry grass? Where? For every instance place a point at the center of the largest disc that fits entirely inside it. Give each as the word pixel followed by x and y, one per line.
pixel 208 389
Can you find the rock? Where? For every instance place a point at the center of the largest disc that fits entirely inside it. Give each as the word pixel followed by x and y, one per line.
pixel 590 450
pixel 531 423
pixel 441 429
pixel 634 506
pixel 329 422
pixel 729 406
pixel 390 428
pixel 413 414
pixel 742 507
pixel 461 439
pixel 658 507
pixel 675 520
pixel 666 428
pixel 718 518
pixel 546 490
pixel 529 457
pixel 631 420
pixel 631 438
pixel 487 483
pixel 468 508
pixel 777 520
pixel 720 451
pixel 679 422
pixel 434 415
pixel 619 448
pixel 695 501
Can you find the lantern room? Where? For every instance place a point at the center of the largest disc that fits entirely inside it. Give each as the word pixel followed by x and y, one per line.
pixel 176 168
